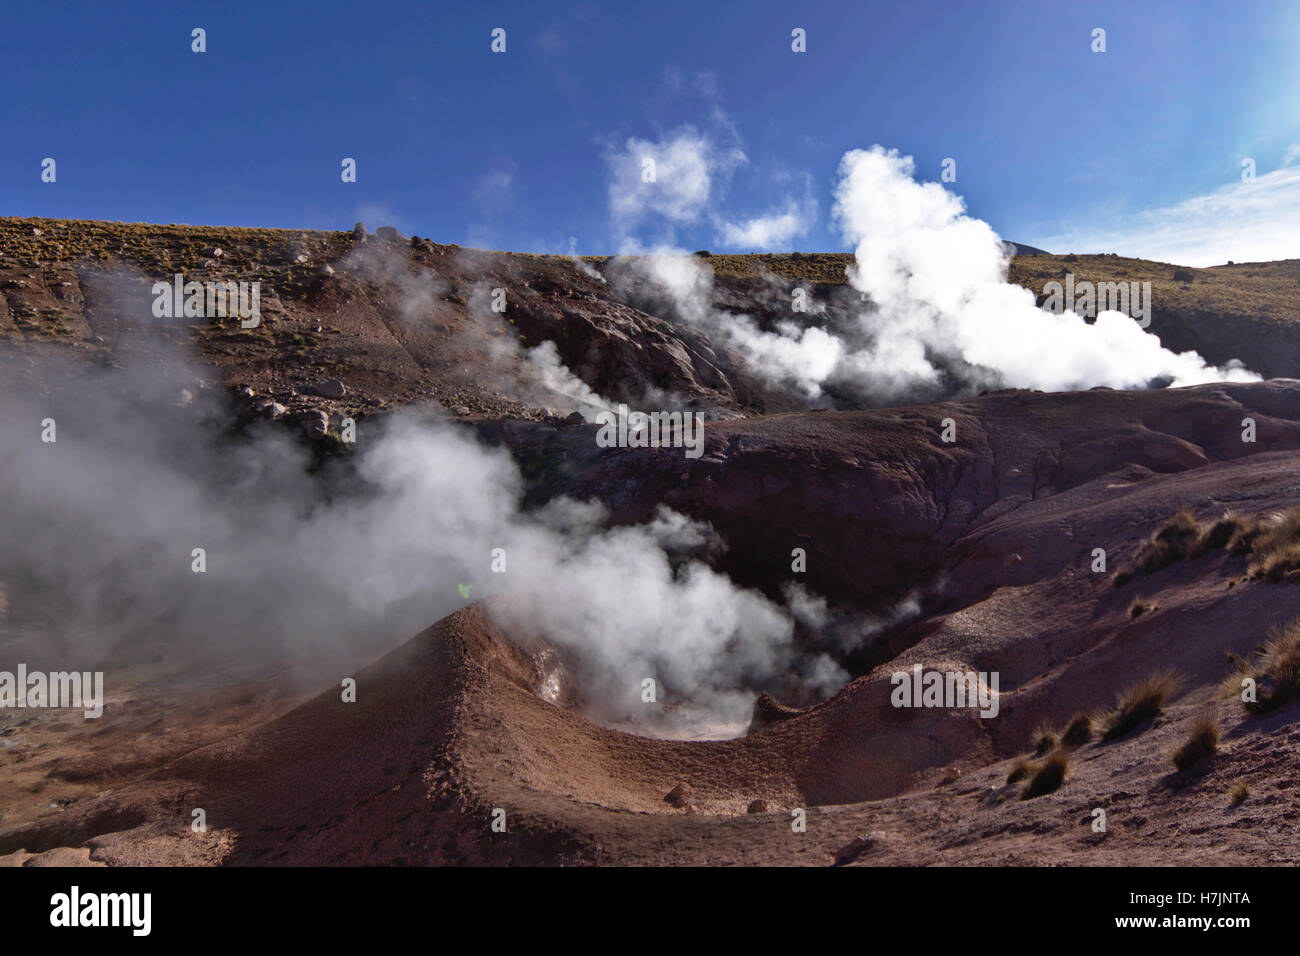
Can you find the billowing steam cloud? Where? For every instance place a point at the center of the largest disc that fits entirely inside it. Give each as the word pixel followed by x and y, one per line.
pixel 100 527
pixel 938 281
pixel 802 358
pixel 935 315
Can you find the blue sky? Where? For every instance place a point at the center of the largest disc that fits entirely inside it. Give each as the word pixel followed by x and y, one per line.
pixel 1137 149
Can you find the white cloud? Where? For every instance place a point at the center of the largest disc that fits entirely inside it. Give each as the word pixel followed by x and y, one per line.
pixel 688 166
pixel 493 187
pixel 1243 222
pixel 772 231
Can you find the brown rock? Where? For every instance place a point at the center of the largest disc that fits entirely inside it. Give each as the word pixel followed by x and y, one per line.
pixel 854 849
pixel 331 389
pixel 680 796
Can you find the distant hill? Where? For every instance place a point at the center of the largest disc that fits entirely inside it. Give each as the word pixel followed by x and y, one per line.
pixel 1020 249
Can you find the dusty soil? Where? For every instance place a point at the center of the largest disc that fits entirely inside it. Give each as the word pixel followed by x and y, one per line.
pixel 992 535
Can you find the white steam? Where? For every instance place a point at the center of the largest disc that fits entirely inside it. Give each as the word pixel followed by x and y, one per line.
pixel 936 315
pixel 100 527
pixel 938 280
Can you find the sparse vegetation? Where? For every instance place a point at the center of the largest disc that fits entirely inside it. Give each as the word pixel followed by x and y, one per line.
pixel 1272 540
pixel 1139 607
pixel 1022 770
pixel 1275 670
pixel 1079 731
pixel 1048 777
pixel 1276 546
pixel 1200 743
pixel 1045 739
pixel 1239 792
pixel 1173 542
pixel 1138 704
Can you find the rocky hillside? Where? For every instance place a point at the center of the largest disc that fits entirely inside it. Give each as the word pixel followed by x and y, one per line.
pixel 402 320
pixel 1075 544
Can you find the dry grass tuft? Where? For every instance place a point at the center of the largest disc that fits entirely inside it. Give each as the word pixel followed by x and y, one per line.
pixel 1022 770
pixel 1138 704
pixel 1202 742
pixel 1045 739
pixel 1048 777
pixel 1275 670
pixel 1174 542
pixel 1079 732
pixel 1275 546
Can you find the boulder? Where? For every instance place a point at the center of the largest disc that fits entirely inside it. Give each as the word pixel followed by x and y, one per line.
pixel 854 849
pixel 331 389
pixel 680 796
pixel 315 422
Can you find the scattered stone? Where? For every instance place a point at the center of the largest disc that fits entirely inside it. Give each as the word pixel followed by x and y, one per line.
pixel 574 418
pixel 461 409
pixel 326 270
pixel 854 849
pixel 389 234
pixel 359 232
pixel 315 422
pixel 36 232
pixel 244 392
pixel 331 389
pixel 301 258
pixel 680 796
pixel 995 795
pixel 186 397
pixel 273 410
pixel 215 252
pixel 757 806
